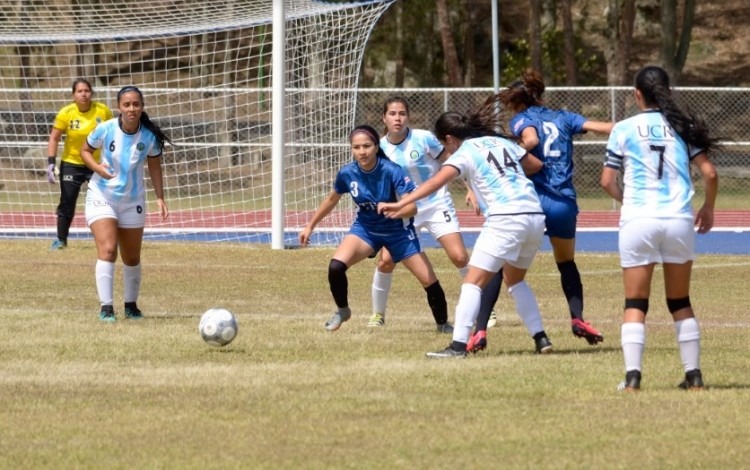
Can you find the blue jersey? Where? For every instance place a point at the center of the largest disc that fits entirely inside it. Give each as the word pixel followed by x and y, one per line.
pixel 417 154
pixel 492 165
pixel 555 129
pixel 384 183
pixel 656 164
pixel 124 154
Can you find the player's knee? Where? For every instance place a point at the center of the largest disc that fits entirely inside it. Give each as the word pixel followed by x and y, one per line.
pixel 460 260
pixel 336 271
pixel 639 304
pixel 386 265
pixel 677 304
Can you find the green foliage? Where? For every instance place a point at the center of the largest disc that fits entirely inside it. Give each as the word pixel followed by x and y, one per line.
pixel 518 58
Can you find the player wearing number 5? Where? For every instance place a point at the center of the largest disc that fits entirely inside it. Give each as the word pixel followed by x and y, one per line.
pixel 494 166
pixel 419 153
pixel 116 198
pixel 75 121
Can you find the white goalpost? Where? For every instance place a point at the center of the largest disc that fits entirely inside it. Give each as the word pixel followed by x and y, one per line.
pixel 206 72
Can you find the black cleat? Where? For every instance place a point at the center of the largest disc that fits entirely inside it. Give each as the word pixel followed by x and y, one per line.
pixel 542 344
pixel 693 380
pixel 632 382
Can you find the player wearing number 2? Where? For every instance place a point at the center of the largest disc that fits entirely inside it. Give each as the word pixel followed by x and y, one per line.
pixel 419 153
pixel 548 134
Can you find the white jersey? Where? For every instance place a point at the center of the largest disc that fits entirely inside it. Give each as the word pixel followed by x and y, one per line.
pixel 418 155
pixel 125 155
pixel 492 165
pixel 656 164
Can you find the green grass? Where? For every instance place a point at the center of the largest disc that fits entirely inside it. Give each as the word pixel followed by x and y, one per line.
pixel 288 394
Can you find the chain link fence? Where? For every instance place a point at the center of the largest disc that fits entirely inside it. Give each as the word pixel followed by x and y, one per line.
pixel 726 110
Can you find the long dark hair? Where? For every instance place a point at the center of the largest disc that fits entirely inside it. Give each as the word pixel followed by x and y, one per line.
pixel 372 134
pixel 653 83
pixel 146 121
pixel 525 92
pixel 484 121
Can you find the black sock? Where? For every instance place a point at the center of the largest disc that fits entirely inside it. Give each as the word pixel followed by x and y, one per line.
pixel 490 293
pixel 338 283
pixel 570 279
pixel 458 346
pixel 437 302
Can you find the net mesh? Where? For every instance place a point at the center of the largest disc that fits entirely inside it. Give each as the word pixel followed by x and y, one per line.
pixel 205 71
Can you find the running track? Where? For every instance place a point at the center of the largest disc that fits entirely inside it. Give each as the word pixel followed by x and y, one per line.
pixel 597 230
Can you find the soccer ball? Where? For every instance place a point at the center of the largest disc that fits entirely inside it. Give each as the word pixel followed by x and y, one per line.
pixel 218 327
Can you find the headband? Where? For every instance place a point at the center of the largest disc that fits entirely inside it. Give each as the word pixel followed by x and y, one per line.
pixel 365 131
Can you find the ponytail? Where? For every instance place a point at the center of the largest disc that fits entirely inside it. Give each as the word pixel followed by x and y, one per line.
pixel 146 121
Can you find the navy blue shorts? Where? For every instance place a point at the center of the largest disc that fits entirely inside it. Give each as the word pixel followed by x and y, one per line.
pixel 401 245
pixel 560 215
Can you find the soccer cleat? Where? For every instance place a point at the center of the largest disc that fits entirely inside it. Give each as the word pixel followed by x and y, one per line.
pixel 376 320
pixel 58 245
pixel 334 323
pixel 132 312
pixel 693 380
pixel 445 328
pixel 447 353
pixel 477 342
pixel 542 344
pixel 107 314
pixel 632 382
pixel 584 330
pixel 493 319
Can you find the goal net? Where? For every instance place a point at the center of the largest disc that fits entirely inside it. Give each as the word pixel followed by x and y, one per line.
pixel 205 72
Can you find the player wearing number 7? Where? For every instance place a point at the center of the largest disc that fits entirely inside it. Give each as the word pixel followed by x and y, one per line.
pixel 495 166
pixel 548 135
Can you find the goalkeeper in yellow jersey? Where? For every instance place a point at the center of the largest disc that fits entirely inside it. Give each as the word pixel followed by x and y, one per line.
pixel 75 121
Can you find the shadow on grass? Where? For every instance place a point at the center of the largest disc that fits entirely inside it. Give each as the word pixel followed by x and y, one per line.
pixel 558 352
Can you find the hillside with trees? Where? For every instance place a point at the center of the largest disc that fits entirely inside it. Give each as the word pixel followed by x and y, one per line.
pixel 435 43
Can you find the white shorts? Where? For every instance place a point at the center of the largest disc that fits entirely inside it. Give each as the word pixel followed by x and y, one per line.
pixel 438 220
pixel 130 214
pixel 512 239
pixel 644 241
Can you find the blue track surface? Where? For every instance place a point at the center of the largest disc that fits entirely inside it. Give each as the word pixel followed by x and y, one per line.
pixel 724 241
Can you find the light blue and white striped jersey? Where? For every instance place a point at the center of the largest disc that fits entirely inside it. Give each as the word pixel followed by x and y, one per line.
pixel 125 154
pixel 492 166
pixel 418 155
pixel 656 165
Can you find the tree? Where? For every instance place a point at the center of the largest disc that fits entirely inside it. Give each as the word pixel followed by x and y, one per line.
pixel 450 55
pixel 569 47
pixel 673 52
pixel 620 21
pixel 535 33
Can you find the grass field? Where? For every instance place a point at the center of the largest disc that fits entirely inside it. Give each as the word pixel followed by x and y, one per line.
pixel 76 393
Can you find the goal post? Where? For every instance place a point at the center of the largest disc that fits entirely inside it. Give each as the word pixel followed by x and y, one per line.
pixel 207 74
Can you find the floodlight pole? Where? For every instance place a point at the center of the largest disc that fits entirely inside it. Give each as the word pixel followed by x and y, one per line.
pixel 495 48
pixel 278 132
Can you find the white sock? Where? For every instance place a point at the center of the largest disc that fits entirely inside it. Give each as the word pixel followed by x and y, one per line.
pixel 689 340
pixel 467 310
pixel 104 274
pixel 462 271
pixel 633 340
pixel 526 307
pixel 131 278
pixel 381 286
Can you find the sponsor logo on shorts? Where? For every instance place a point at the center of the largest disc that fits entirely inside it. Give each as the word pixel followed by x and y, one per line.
pixel 100 203
pixel 67 177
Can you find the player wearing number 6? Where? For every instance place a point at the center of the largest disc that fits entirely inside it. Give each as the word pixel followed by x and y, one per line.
pixel 495 166
pixel 116 198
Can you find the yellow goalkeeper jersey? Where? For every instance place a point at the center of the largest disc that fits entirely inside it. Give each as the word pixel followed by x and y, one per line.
pixel 77 126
